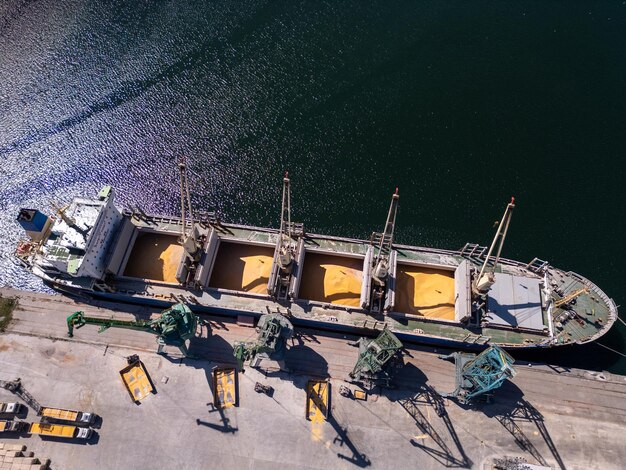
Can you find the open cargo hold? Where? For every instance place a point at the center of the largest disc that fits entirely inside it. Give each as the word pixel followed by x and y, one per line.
pixel 425 291
pixel 154 256
pixel 331 279
pixel 468 298
pixel 242 267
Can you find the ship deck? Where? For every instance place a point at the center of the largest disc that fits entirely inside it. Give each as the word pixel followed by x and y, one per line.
pixel 426 294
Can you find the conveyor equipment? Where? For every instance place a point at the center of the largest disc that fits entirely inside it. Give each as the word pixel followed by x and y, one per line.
pixel 173 327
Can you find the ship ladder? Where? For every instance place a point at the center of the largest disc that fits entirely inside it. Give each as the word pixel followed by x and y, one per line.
pixel 537 266
pixel 473 251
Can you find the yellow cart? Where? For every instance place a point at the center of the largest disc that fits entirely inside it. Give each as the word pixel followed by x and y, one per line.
pixel 136 379
pixel 225 387
pixel 317 398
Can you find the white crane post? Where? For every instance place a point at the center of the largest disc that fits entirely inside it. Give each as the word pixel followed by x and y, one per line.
pixel 481 285
pixel 181 168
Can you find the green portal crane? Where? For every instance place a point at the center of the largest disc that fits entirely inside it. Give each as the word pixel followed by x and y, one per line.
pixel 173 327
pixel 377 357
pixel 274 331
pixel 480 374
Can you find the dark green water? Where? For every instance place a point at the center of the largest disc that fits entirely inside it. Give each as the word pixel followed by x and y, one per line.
pixel 459 104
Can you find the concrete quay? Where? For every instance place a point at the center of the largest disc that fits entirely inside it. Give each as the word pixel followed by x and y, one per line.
pixel 550 416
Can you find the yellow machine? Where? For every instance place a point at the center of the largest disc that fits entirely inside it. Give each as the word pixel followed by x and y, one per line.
pixel 568 298
pixel 225 387
pixel 317 396
pixel 136 379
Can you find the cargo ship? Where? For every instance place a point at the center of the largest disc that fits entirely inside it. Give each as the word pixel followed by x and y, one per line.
pixel 468 298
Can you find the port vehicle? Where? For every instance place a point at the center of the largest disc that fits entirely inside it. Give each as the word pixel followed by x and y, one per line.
pixel 58 414
pixel 60 430
pixel 11 426
pixel 469 298
pixel 10 408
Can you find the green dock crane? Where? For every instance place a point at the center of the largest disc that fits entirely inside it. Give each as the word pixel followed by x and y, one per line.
pixel 173 327
pixel 479 374
pixel 377 359
pixel 274 330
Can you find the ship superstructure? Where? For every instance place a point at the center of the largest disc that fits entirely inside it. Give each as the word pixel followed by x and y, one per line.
pixel 464 298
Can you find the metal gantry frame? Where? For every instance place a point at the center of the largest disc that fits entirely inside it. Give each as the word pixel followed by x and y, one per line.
pixel 191 241
pixel 479 374
pixel 16 387
pixel 274 329
pixel 376 358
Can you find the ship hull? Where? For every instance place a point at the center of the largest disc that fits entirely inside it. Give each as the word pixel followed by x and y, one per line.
pixel 428 297
pixel 84 294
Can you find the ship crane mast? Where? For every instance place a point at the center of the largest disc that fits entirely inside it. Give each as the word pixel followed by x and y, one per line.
pixel 189 240
pixel 380 263
pixel 486 277
pixel 286 251
pixel 286 248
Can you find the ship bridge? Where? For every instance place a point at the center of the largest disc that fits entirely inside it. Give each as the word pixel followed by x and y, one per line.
pixel 77 241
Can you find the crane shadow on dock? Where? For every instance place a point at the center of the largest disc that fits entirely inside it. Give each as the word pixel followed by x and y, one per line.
pixel 206 346
pixel 206 351
pixel 427 397
pixel 209 352
pixel 357 458
pixel 304 360
pixel 225 426
pixel 517 409
pixel 302 336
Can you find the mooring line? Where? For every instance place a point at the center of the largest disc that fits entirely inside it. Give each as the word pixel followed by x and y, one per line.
pixel 610 349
